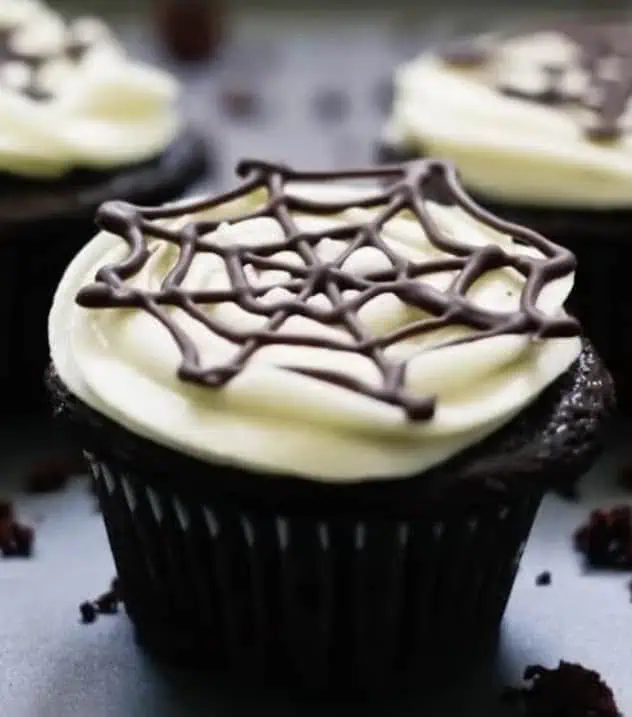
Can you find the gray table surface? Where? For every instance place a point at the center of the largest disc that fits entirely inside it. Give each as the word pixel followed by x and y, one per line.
pixel 52 666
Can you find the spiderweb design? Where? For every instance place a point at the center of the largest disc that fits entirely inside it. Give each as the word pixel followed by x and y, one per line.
pixel 397 188
pixel 604 57
pixel 70 48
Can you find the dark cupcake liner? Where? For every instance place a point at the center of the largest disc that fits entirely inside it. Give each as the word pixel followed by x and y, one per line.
pixel 35 251
pixel 347 602
pixel 601 298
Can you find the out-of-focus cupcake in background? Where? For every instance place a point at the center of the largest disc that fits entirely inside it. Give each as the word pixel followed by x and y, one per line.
pixel 539 124
pixel 80 122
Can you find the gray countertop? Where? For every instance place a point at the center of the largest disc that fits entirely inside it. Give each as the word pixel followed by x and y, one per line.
pixel 51 665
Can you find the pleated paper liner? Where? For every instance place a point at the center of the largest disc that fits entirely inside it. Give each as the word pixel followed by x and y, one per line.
pixel 353 602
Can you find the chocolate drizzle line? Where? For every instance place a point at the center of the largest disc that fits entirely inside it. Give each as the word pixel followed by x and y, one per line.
pixel 398 188
pixel 71 49
pixel 604 56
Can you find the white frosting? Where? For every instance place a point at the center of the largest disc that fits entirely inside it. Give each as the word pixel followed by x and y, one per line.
pixel 123 362
pixel 508 148
pixel 105 109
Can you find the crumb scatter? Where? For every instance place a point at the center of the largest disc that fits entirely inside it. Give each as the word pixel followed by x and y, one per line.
pixel 543 579
pixel 105 604
pixel 569 690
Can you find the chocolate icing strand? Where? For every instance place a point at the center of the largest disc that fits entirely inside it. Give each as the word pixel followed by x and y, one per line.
pixel 400 188
pixel 604 56
pixel 70 48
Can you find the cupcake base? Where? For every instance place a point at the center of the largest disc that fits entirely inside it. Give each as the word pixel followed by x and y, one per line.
pixel 43 228
pixel 331 587
pixel 328 604
pixel 601 241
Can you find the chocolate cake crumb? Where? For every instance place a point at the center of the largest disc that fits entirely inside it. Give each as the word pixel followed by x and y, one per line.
pixel 88 612
pixel 52 474
pixel 330 105
pixel 239 101
pixel 16 539
pixel 570 690
pixel 105 604
pixel 606 539
pixel 543 578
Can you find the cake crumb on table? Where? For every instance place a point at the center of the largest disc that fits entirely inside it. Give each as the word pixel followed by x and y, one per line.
pixel 569 690
pixel 605 539
pixel 106 604
pixel 544 578
pixel 88 612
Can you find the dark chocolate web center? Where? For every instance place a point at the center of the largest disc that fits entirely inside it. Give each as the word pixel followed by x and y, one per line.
pixel 398 188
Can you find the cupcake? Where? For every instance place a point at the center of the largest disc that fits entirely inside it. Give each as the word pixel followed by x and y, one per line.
pixel 80 123
pixel 321 411
pixel 540 127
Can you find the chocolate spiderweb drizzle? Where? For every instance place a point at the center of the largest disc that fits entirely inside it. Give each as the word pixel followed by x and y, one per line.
pixel 398 188
pixel 604 55
pixel 70 48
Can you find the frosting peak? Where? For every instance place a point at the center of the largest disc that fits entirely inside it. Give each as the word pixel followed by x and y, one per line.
pixel 371 322
pixel 71 98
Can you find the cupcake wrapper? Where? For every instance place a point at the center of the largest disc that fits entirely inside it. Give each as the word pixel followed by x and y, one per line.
pixel 349 602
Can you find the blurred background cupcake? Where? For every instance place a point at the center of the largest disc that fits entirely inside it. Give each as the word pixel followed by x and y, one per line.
pixel 321 416
pixel 539 123
pixel 80 122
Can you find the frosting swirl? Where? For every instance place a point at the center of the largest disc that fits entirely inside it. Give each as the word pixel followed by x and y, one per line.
pixel 71 98
pixel 338 326
pixel 541 118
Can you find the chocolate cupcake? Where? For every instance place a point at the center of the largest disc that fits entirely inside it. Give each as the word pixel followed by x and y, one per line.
pixel 81 123
pixel 321 411
pixel 540 127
